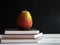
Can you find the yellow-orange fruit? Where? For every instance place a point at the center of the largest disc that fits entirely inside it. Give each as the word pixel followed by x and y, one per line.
pixel 24 20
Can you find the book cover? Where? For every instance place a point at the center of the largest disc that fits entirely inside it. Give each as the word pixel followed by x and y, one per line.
pixel 22 32
pixel 22 35
pixel 19 40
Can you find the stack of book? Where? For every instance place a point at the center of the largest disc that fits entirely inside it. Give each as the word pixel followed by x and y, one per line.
pixel 27 36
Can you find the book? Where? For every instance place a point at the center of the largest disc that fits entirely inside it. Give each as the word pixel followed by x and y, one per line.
pixel 22 35
pixel 22 32
pixel 19 40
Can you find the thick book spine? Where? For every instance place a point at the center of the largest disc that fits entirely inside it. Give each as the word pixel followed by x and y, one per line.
pixel 22 32
pixel 22 35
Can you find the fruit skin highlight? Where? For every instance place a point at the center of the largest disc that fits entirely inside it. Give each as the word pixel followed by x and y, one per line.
pixel 24 20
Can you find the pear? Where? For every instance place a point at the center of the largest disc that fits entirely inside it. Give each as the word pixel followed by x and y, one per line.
pixel 24 20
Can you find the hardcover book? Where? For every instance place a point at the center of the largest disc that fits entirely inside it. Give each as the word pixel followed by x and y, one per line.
pixel 19 40
pixel 22 32
pixel 22 35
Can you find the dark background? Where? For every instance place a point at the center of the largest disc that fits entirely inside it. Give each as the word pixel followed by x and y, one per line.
pixel 45 13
